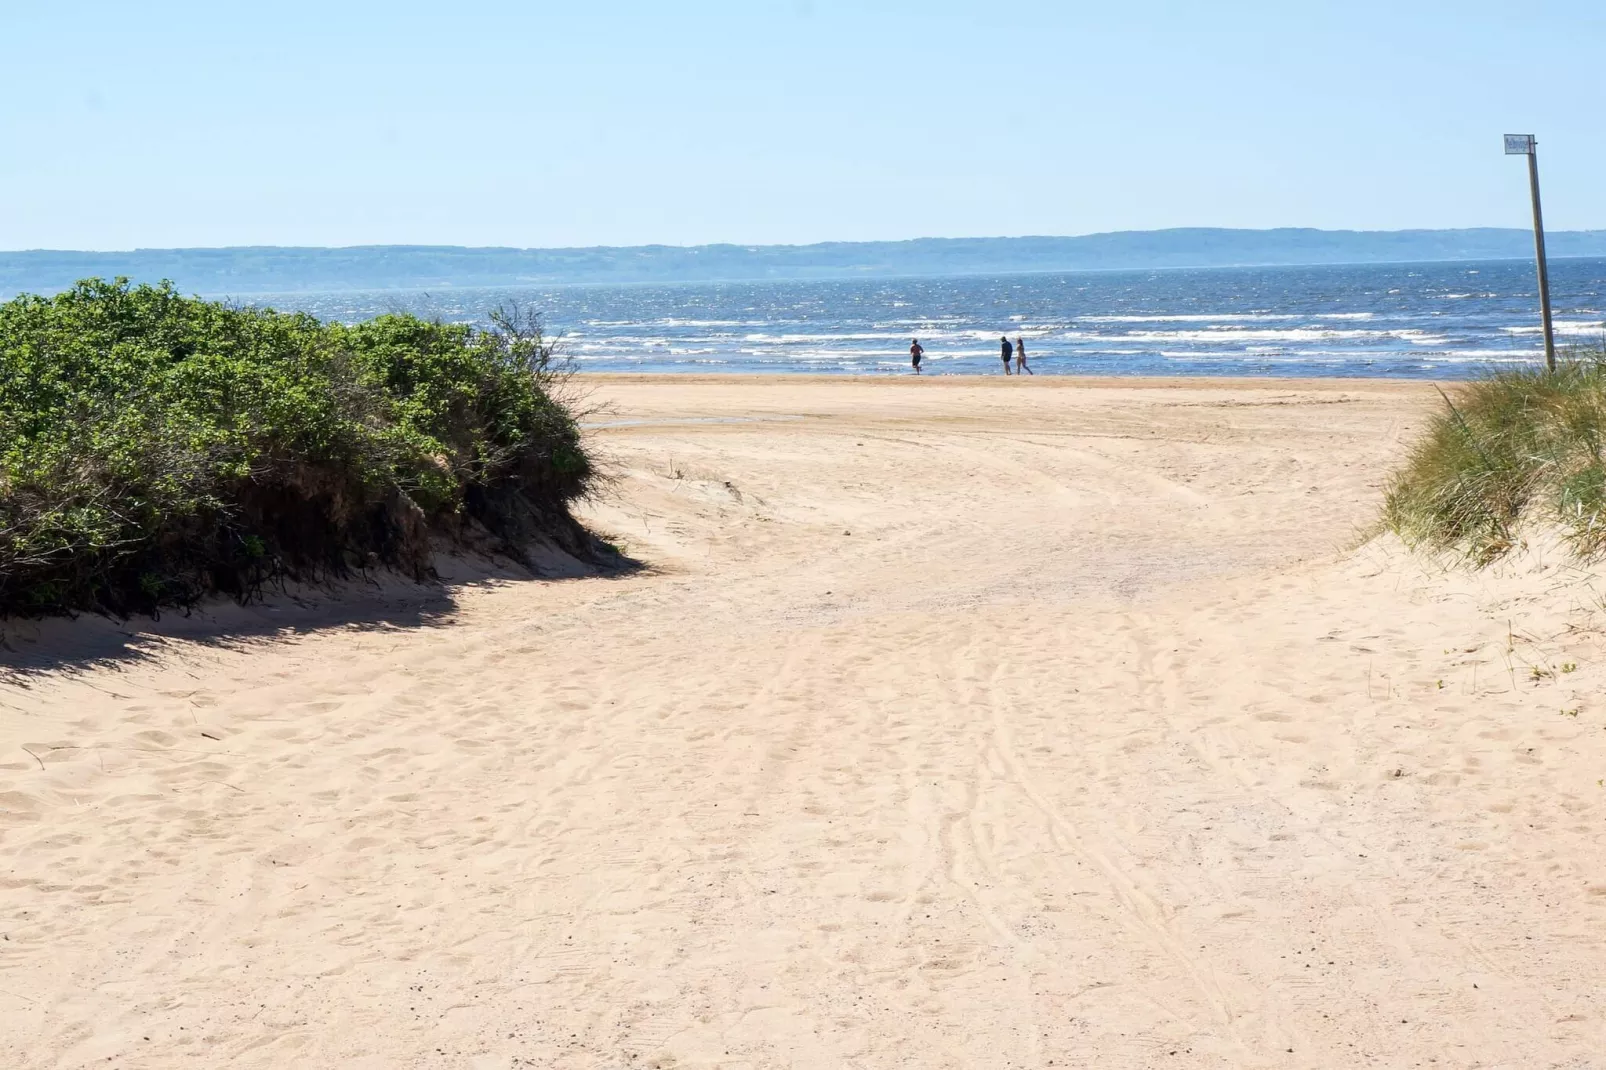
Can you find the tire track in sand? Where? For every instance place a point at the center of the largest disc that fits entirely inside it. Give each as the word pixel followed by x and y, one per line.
pixel 1143 914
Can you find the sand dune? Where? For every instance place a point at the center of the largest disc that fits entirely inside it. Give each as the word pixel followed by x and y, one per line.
pixel 956 723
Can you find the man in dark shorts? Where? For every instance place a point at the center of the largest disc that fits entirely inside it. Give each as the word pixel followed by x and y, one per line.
pixel 1006 351
pixel 916 351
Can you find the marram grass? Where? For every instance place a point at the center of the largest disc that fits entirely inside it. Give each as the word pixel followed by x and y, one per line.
pixel 1519 446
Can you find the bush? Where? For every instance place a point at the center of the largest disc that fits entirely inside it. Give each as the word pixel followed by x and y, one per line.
pixel 1522 444
pixel 156 448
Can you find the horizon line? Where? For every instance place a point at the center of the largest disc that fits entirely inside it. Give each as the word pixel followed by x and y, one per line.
pixel 750 246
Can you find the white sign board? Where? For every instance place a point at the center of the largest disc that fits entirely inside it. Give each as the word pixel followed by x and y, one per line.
pixel 1519 144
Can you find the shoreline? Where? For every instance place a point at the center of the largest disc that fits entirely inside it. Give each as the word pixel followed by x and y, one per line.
pixel 1061 382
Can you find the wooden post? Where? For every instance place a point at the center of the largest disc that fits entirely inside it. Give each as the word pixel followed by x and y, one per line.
pixel 1524 145
pixel 1539 254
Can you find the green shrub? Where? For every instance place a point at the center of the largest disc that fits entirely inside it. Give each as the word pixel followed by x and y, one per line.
pixel 156 448
pixel 1518 444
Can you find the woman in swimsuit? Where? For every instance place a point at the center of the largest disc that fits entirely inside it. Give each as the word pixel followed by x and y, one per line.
pixel 1020 357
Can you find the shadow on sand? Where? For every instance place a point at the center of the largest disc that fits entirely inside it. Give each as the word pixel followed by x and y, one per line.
pixel 31 650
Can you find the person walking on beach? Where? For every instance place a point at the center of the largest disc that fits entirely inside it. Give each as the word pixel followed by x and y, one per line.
pixel 916 351
pixel 1005 350
pixel 1020 357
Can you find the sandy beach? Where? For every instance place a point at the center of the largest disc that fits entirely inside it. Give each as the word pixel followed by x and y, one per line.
pixel 951 723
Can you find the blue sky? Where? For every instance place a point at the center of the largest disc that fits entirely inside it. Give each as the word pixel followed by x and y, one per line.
pixel 485 123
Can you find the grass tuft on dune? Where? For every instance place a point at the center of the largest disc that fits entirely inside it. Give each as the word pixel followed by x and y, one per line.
pixel 156 448
pixel 1520 445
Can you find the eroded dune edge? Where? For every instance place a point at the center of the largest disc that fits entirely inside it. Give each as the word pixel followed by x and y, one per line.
pixel 954 724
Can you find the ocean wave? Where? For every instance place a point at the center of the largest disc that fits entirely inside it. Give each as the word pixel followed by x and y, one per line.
pixel 985 335
pixel 672 321
pixel 823 336
pixel 1571 328
pixel 586 341
pixel 1192 317
pixel 1187 357
pixel 806 355
pixel 1231 335
pixel 1362 321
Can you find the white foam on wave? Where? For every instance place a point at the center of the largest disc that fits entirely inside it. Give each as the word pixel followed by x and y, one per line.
pixel 1185 357
pixel 1222 317
pixel 1240 335
pixel 923 321
pixel 937 335
pixel 1414 357
pixel 1572 328
pixel 639 340
pixel 1490 356
pixel 808 339
pixel 674 321
pixel 644 359
pixel 809 355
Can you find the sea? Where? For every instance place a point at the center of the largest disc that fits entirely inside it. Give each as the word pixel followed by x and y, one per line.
pixel 1441 320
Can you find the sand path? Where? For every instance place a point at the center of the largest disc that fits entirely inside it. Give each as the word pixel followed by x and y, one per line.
pixel 958 724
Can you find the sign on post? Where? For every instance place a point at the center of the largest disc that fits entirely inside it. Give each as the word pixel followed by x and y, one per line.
pixel 1523 145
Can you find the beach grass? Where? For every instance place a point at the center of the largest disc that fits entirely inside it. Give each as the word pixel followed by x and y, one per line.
pixel 1521 445
pixel 155 448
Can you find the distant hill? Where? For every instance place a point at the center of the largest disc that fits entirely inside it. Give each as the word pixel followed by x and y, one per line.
pixel 269 269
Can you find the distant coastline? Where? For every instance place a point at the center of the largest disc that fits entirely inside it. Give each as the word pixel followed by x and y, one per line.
pixel 281 269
